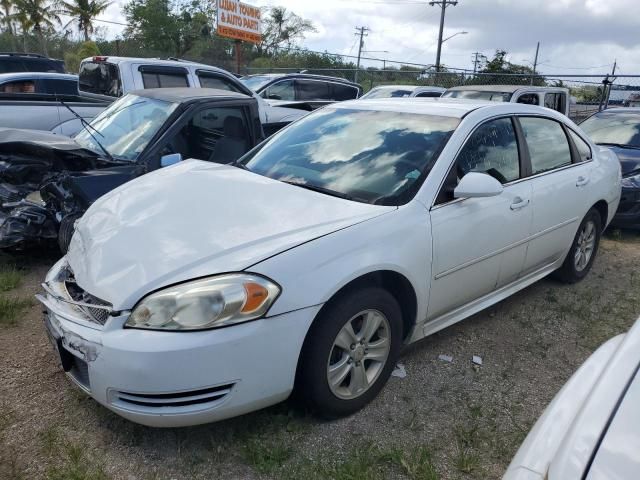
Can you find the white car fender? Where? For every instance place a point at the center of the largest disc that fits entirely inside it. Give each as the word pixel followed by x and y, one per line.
pixel 312 273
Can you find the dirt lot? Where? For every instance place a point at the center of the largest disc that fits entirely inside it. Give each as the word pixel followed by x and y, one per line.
pixel 443 421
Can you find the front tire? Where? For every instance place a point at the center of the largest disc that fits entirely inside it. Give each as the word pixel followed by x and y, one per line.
pixel 350 352
pixel 583 249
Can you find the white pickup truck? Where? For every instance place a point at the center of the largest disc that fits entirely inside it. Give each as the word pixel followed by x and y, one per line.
pixel 110 77
pixel 555 98
pixel 102 79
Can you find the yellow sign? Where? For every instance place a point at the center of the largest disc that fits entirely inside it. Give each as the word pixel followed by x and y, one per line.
pixel 239 20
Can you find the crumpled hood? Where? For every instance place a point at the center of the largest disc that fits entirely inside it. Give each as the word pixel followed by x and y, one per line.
pixel 29 156
pixel 196 219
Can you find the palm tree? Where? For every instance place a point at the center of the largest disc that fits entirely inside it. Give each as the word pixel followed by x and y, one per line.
pixel 84 12
pixel 36 15
pixel 6 19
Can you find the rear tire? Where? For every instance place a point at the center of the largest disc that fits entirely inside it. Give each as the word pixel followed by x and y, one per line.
pixel 583 249
pixel 350 352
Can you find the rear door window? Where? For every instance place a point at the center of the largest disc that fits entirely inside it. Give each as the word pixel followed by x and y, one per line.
pixel 63 87
pixel 343 92
pixel 312 90
pixel 555 101
pixel 164 78
pixel 101 78
pixel 18 86
pixel 547 142
pixel 283 90
pixel 429 94
pixel 210 80
pixel 529 99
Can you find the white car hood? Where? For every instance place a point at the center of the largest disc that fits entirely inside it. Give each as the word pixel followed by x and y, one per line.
pixel 196 219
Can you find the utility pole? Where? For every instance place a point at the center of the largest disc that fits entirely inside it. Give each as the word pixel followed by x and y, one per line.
pixel 613 72
pixel 535 62
pixel 443 4
pixel 478 56
pixel 361 31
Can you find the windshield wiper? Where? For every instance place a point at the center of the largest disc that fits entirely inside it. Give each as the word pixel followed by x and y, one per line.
pixel 315 188
pixel 619 145
pixel 87 126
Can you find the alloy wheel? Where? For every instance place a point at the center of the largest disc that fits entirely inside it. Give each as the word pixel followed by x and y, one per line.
pixel 359 354
pixel 585 246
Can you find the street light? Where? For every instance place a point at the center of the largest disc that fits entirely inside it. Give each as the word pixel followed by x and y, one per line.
pixel 457 33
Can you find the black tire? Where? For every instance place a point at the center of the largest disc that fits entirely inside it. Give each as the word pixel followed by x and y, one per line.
pixel 569 272
pixel 312 384
pixel 65 232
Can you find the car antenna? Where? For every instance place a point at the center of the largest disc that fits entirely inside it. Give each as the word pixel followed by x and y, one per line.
pixel 87 126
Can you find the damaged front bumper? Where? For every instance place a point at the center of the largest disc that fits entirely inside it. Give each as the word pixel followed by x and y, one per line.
pixel 25 225
pixel 171 379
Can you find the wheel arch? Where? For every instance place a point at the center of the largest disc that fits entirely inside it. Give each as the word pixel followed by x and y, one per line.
pixel 602 207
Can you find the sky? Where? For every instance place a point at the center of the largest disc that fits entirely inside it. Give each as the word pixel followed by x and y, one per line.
pixel 576 36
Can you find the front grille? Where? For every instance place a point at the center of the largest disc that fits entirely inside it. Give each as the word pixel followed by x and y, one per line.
pixel 98 315
pixel 203 398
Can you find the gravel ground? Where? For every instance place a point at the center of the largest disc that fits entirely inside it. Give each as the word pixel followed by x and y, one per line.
pixel 443 421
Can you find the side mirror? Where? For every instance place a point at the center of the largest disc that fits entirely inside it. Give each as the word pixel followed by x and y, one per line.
pixel 475 184
pixel 170 159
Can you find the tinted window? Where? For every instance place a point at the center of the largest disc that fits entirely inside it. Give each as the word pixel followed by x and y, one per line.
pixel 213 81
pixel 622 128
pixel 584 151
pixel 548 145
pixel 312 90
pixel 164 80
pixel 280 91
pixel 378 157
pixel 529 99
pixel 492 149
pixel 555 101
pixel 42 65
pixel 65 87
pixel 101 78
pixel 387 93
pixel 429 94
pixel 11 65
pixel 343 92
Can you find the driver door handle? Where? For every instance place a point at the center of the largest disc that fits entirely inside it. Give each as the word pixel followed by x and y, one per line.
pixel 582 181
pixel 519 203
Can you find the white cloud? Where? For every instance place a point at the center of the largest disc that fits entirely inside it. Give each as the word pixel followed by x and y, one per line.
pixel 573 33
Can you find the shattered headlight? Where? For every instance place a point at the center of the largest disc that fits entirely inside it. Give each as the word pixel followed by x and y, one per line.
pixel 207 303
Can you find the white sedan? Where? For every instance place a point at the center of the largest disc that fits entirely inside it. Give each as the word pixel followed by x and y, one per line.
pixel 201 291
pixel 591 429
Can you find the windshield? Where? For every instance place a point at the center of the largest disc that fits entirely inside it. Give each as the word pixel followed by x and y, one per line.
pixel 256 82
pixel 127 126
pixel 378 157
pixel 621 128
pixel 388 93
pixel 478 95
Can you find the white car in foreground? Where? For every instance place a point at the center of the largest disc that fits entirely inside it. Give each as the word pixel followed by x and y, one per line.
pixel 203 291
pixel 591 429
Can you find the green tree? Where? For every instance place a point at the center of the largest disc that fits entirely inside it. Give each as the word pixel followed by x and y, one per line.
pixel 37 16
pixel 83 12
pixel 282 29
pixel 7 20
pixel 168 25
pixel 72 59
pixel 500 65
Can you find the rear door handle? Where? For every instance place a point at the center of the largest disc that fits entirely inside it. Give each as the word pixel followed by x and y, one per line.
pixel 582 181
pixel 519 203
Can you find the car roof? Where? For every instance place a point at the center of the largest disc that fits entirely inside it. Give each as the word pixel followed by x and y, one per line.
pixel 502 88
pixel 37 75
pixel 187 94
pixel 155 61
pixel 309 76
pixel 621 110
pixel 445 107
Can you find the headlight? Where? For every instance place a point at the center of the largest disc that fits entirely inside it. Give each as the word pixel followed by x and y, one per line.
pixel 207 303
pixel 35 197
pixel 631 182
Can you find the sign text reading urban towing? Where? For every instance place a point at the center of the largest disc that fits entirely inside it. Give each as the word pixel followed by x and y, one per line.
pixel 239 20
